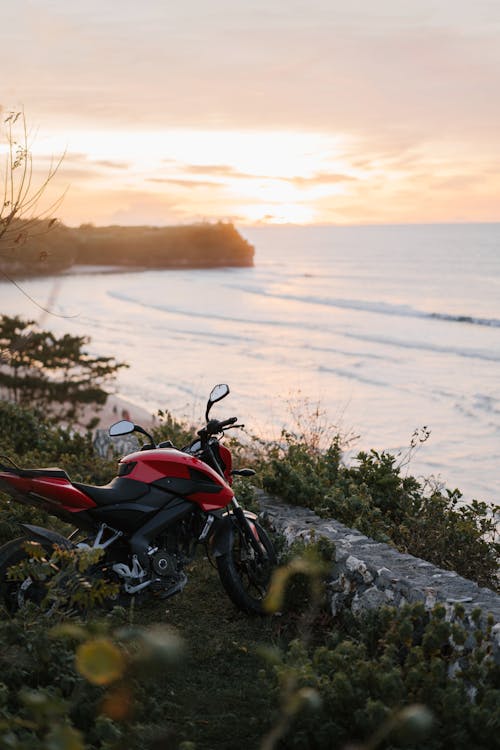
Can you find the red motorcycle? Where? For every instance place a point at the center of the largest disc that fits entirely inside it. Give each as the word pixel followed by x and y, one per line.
pixel 149 520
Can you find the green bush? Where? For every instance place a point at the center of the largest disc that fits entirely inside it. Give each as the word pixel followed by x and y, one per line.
pixel 38 683
pixel 27 437
pixel 356 683
pixel 374 496
pixel 169 428
pixel 79 685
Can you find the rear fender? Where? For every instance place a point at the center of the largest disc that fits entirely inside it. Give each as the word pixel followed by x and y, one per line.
pixel 39 534
pixel 222 538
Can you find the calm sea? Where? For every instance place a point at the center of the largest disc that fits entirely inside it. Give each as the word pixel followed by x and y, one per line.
pixel 387 328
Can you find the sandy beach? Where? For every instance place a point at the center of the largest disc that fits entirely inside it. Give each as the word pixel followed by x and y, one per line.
pixel 117 408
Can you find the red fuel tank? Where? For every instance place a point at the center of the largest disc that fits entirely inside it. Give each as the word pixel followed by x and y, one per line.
pixel 180 474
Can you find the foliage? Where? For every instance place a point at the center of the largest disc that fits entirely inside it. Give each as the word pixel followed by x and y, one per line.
pixel 153 690
pixel 297 585
pixel 108 684
pixel 360 681
pixel 71 579
pixel 56 373
pixel 51 249
pixel 29 438
pixel 169 428
pixel 195 245
pixel 72 686
pixel 374 496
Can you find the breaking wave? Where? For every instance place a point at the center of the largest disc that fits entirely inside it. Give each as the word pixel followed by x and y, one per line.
pixel 381 308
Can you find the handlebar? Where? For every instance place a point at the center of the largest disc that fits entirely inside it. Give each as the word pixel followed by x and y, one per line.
pixel 213 426
pixel 227 422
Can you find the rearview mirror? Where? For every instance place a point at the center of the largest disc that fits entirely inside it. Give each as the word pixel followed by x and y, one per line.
pixel 121 428
pixel 217 393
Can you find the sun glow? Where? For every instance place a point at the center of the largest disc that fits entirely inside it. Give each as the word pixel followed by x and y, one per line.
pixel 187 174
pixel 271 153
pixel 180 176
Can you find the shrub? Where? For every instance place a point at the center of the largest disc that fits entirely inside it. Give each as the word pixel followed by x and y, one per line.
pixel 76 685
pixel 373 496
pixel 169 428
pixel 355 684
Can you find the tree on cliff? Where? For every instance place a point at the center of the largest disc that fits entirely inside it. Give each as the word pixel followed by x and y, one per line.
pixel 52 374
pixel 21 215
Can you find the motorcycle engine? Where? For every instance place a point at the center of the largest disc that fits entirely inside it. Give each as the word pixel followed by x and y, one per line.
pixel 164 564
pixel 165 573
pixel 167 576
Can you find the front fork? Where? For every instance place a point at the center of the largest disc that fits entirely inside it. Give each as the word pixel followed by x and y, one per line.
pixel 250 535
pixel 221 533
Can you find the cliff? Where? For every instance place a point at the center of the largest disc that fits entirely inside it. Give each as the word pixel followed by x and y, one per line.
pixel 192 246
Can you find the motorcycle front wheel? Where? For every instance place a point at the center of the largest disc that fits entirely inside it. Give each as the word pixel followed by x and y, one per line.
pixel 246 573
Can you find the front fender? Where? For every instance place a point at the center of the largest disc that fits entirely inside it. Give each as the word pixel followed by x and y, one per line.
pixel 222 537
pixel 39 534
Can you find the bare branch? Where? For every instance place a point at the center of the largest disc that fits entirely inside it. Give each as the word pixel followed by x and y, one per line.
pixel 20 212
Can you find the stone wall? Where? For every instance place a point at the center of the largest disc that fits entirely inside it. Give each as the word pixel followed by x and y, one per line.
pixel 368 574
pixel 113 447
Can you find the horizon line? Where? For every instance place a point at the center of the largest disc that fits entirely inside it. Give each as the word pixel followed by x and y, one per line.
pixel 290 225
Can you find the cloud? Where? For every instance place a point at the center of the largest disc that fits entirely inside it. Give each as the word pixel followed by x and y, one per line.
pixel 86 159
pixel 77 174
pixel 220 170
pixel 109 164
pixel 458 182
pixel 321 178
pixel 115 206
pixel 224 170
pixel 412 86
pixel 80 159
pixel 184 183
pixel 217 170
pixel 394 70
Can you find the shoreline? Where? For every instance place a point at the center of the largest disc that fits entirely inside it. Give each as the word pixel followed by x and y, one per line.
pixel 96 270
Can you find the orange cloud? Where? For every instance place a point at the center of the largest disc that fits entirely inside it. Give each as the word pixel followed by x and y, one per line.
pixel 183 183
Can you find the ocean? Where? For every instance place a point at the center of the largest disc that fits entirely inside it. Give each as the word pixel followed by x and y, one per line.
pixel 383 329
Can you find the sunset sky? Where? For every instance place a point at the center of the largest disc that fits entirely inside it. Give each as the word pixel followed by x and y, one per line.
pixel 302 111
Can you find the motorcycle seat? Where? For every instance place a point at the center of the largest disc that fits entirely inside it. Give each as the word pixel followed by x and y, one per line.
pixel 52 472
pixel 119 490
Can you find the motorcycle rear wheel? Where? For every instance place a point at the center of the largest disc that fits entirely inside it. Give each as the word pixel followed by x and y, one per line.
pixel 15 594
pixel 245 574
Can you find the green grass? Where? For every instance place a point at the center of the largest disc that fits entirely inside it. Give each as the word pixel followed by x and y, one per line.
pixel 216 696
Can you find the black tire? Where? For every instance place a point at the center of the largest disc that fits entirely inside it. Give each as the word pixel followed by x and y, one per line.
pixel 15 594
pixel 244 574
